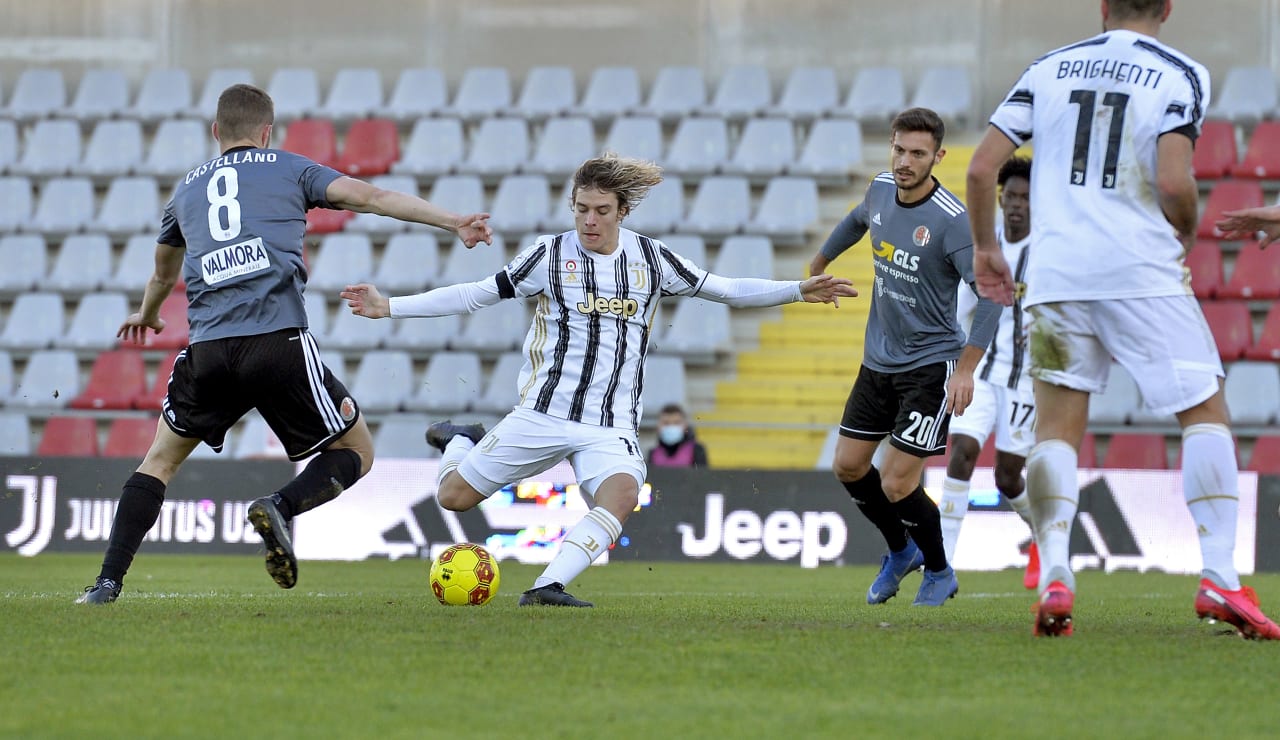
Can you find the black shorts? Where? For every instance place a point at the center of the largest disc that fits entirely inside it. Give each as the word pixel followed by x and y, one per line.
pixel 910 406
pixel 217 382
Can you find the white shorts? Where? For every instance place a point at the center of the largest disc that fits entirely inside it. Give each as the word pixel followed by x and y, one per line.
pixel 1011 412
pixel 527 442
pixel 1163 342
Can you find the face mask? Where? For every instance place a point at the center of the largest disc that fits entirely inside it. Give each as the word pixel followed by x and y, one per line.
pixel 670 434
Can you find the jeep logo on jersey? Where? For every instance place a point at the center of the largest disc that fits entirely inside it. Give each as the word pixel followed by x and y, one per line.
pixel 621 307
pixel 921 236
pixel 899 257
pixel 234 261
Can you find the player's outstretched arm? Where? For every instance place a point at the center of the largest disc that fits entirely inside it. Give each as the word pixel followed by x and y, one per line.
pixel 364 300
pixel 1250 222
pixel 825 288
pixel 351 194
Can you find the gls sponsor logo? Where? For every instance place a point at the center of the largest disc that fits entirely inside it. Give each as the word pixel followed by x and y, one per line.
pixel 899 257
pixel 621 307
pixel 816 536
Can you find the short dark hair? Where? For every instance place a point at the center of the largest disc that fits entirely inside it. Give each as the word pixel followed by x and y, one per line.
pixel 1015 167
pixel 242 111
pixel 673 408
pixel 920 119
pixel 1128 9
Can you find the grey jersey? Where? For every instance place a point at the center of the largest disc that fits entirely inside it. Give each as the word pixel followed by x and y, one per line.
pixel 922 252
pixel 241 218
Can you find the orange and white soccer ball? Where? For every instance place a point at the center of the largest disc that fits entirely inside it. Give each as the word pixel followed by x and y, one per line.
pixel 464 575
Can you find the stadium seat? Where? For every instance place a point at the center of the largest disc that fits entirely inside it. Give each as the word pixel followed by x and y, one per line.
pixel 458 193
pixel 383 380
pixel 115 148
pixel 677 92
pixel 1215 154
pixel 52 148
pixel 520 204
pixel 131 205
pixel 788 211
pixel 399 437
pixel 1265 457
pixel 83 264
pixel 176 334
pixel 151 397
pixel 327 220
pixel 1262 157
pixel 560 217
pixel 15 435
pixel 372 146
pixel 257 441
pixel 6 376
pixel 832 153
pixel 744 91
pixel 1256 275
pixel 15 203
pixel 700 146
pixel 435 147
pixel 34 322
pixel 664 383
pixel 564 145
pixel 547 92
pixel 501 388
pixel 372 222
pixel 482 93
pixel 661 210
pixel 767 147
pixel 690 246
pixel 165 93
pixel 50 380
pixel 419 336
pixel 219 79
pixel 116 379
pixel 130 436
pixel 349 332
pixel 947 90
pixel 65 206
pixel 94 324
pixel 342 259
pixel 611 92
pixel 103 93
pixel 462 265
pixel 40 92
pixel 69 436
pixel 136 264
pixel 179 145
pixel 875 97
pixel 1136 451
pixel 295 91
pixel 451 384
pixel 1205 263
pixel 8 144
pixel 410 263
pixel 500 146
pixel 1118 402
pixel 1231 326
pixel 745 256
pixel 1087 457
pixel 721 206
pixel 1268 345
pixel 1227 195
pixel 1247 96
pixel 697 331
pixel 418 92
pixel 494 329
pixel 809 93
pixel 635 136
pixel 356 92
pixel 316 306
pixel 25 261
pixel 314 138
pixel 1253 393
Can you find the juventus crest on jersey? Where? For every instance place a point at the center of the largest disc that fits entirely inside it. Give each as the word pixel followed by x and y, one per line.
pixel 584 354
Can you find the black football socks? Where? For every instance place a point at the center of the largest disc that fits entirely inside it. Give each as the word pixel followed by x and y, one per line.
pixel 136 514
pixel 325 477
pixel 868 494
pixel 920 515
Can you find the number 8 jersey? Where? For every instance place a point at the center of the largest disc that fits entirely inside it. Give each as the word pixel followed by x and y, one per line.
pixel 1096 109
pixel 241 217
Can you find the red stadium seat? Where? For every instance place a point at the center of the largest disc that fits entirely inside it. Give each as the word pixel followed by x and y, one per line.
pixel 313 138
pixel 150 398
pixel 326 221
pixel 116 378
pixel 1205 262
pixel 1268 344
pixel 1262 157
pixel 987 456
pixel 130 437
pixel 1266 456
pixel 1138 451
pixel 1227 195
pixel 1215 153
pixel 1256 275
pixel 69 436
pixel 372 146
pixel 1088 452
pixel 177 332
pixel 1232 328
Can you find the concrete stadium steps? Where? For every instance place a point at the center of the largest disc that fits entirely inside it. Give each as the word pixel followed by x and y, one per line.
pixel 798 391
pixel 954 168
pixel 759 448
pixel 773 364
pixel 751 414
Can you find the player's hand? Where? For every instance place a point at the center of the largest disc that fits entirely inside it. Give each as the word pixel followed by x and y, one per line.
pixel 134 328
pixel 474 229
pixel 959 392
pixel 1250 222
pixel 365 300
pixel 818 264
pixel 827 289
pixel 991 273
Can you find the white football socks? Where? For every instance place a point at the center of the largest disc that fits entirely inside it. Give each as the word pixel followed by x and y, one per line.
pixel 457 449
pixel 589 539
pixel 1209 483
pixel 1022 507
pixel 1054 495
pixel 952 508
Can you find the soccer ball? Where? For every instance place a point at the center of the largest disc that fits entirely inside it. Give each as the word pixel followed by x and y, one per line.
pixel 463 575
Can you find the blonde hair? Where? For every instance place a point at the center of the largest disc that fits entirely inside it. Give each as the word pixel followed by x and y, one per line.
pixel 628 178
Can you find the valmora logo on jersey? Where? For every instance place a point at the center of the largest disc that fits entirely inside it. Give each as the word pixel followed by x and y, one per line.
pixel 813 536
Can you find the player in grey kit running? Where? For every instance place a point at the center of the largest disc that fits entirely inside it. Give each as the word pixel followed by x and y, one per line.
pixel 234 232
pixel 917 366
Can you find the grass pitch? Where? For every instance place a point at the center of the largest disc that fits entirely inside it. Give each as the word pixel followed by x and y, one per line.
pixel 209 647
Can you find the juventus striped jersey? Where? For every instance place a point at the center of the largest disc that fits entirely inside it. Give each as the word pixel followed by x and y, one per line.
pixel 1096 109
pixel 585 350
pixel 1005 362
